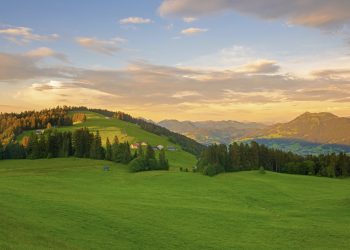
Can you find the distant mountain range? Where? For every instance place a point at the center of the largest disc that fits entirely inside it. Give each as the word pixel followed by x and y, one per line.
pixel 309 133
pixel 325 128
pixel 208 132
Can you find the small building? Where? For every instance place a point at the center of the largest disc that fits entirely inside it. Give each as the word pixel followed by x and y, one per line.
pixel 39 131
pixel 160 147
pixel 135 145
pixel 144 143
pixel 106 168
pixel 171 148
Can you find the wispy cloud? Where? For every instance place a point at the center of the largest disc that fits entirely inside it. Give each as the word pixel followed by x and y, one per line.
pixel 106 47
pixel 22 35
pixel 312 13
pixel 193 31
pixel 43 52
pixel 135 20
pixel 189 19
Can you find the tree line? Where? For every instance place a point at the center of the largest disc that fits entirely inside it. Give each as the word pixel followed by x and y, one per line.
pixel 12 124
pixel 83 144
pixel 216 159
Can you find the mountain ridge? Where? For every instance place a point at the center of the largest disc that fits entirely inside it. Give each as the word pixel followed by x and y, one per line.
pixel 323 127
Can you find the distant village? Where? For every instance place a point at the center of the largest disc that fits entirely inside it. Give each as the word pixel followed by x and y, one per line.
pixel 158 147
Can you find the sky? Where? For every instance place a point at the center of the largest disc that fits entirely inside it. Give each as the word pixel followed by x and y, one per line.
pixel 247 60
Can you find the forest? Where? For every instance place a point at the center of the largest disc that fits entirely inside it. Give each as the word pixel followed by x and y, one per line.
pixel 83 144
pixel 12 124
pixel 217 159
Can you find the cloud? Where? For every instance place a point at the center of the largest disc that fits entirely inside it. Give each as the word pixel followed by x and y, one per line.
pixel 261 66
pixel 135 20
pixel 193 31
pixel 22 67
pixel 312 13
pixel 189 19
pixel 43 52
pixel 106 47
pixel 332 73
pixel 152 90
pixel 22 35
pixel 182 94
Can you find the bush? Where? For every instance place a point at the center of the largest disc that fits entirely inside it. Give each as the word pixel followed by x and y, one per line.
pixel 137 165
pixel 209 170
pixel 261 170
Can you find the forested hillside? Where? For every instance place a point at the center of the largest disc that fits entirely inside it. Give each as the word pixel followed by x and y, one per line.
pixel 237 157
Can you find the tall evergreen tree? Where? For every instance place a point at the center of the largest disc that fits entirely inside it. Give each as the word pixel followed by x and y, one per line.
pixel 108 150
pixel 1 151
pixel 163 162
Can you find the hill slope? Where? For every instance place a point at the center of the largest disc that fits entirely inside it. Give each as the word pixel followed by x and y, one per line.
pixel 73 204
pixel 126 131
pixel 324 128
pixel 209 132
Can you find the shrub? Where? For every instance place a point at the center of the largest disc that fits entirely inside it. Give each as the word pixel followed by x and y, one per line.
pixel 137 165
pixel 261 170
pixel 209 170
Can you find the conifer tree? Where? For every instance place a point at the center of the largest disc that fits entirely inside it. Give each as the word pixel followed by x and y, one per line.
pixel 1 151
pixel 108 150
pixel 163 162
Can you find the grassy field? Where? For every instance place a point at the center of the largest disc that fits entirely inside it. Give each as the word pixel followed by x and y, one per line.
pixel 128 132
pixel 73 204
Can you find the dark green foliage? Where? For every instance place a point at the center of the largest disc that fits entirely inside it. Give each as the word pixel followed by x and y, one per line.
pixel 1 151
pixel 217 159
pixel 108 150
pixel 163 162
pixel 121 152
pixel 150 154
pixel 96 149
pixel 262 170
pixel 81 141
pixel 14 150
pixel 147 161
pixel 210 170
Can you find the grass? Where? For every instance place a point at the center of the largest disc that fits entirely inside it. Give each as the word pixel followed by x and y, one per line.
pixel 128 132
pixel 73 204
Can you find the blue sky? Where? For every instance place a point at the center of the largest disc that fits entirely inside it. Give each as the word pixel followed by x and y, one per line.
pixel 204 59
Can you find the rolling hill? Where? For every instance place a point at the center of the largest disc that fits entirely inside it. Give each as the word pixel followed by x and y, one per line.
pixel 208 132
pixel 71 203
pixel 126 131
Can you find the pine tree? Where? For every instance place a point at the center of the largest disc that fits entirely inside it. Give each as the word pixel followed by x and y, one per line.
pixel 108 150
pixel 150 154
pixel 163 162
pixel 116 140
pixel 1 151
pixel 98 146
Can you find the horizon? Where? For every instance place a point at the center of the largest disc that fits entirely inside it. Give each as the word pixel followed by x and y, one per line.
pixel 167 59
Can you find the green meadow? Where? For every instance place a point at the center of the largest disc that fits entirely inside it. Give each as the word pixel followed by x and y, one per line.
pixel 73 204
pixel 128 132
